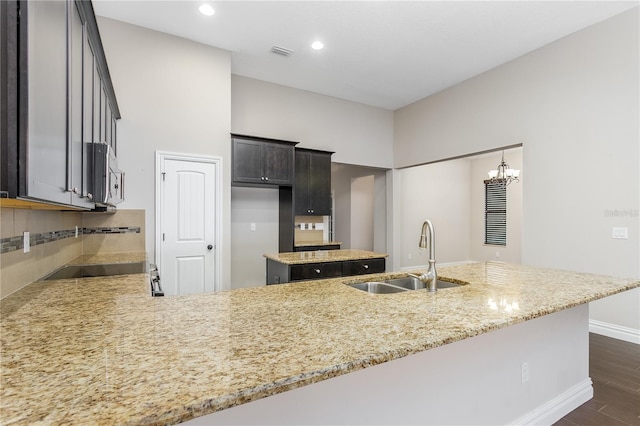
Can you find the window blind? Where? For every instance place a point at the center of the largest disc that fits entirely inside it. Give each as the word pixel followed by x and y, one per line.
pixel 495 213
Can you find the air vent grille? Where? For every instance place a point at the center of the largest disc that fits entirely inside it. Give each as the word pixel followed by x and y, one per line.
pixel 281 51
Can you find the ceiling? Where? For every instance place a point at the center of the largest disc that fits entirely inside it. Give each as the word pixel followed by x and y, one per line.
pixel 386 54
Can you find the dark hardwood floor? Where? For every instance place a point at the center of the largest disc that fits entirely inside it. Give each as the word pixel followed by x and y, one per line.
pixel 614 367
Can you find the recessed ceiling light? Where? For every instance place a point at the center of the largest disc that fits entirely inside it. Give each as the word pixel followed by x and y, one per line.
pixel 317 45
pixel 206 10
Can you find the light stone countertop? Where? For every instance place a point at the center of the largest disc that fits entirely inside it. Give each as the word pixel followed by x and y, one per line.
pixel 318 256
pixel 126 257
pixel 317 243
pixel 102 351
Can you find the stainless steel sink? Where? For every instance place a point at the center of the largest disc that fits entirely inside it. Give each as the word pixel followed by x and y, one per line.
pixel 411 283
pixel 377 287
pixel 108 269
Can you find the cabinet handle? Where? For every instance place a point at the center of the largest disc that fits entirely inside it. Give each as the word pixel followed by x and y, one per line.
pixel 365 266
pixel 317 271
pixel 266 178
pixel 89 195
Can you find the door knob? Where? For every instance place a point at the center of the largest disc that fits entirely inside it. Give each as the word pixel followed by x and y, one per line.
pixel 209 247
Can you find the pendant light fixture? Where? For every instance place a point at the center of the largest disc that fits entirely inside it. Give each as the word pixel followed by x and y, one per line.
pixel 504 174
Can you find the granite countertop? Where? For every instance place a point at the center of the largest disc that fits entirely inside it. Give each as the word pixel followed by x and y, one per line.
pixel 102 351
pixel 317 243
pixel 318 256
pixel 95 259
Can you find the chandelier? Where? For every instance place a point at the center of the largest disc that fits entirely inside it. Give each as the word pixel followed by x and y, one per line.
pixel 504 174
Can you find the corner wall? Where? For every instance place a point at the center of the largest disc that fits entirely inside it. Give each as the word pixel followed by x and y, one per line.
pixel 574 104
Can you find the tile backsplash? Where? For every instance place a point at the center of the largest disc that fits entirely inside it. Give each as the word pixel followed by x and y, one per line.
pixel 53 241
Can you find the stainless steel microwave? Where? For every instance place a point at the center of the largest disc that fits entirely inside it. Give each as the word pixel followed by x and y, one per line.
pixel 105 179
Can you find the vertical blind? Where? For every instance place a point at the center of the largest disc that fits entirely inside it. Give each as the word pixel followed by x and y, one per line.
pixel 495 213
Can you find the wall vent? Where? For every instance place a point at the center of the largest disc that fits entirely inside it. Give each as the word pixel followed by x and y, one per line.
pixel 281 51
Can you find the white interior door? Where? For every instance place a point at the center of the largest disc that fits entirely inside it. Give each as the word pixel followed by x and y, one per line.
pixel 188 196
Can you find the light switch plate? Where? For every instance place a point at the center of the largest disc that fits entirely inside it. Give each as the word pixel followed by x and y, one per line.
pixel 27 242
pixel 620 233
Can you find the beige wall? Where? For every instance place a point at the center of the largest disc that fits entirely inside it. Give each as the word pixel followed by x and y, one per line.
pixel 174 95
pixel 362 203
pixel 574 104
pixel 346 206
pixel 479 166
pixel 359 134
pixel 439 192
pixel 451 195
pixel 259 206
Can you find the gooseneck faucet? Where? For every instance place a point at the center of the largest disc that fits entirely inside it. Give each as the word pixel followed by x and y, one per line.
pixel 430 278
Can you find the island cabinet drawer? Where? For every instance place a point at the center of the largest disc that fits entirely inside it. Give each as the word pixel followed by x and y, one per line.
pixel 361 267
pixel 311 271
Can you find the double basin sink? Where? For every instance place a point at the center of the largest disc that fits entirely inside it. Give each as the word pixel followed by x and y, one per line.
pixel 398 285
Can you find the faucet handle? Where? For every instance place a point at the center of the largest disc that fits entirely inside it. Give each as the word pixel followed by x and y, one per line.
pixel 418 277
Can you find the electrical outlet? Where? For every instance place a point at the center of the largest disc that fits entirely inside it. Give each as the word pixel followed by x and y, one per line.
pixel 619 233
pixel 253 226
pixel 497 254
pixel 409 256
pixel 525 372
pixel 27 242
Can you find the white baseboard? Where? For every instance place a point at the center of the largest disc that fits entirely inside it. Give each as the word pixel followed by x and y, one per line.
pixel 619 332
pixel 552 411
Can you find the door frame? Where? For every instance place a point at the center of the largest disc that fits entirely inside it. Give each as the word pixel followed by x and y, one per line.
pixel 161 157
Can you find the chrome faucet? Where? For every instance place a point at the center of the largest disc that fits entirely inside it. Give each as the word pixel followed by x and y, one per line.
pixel 430 278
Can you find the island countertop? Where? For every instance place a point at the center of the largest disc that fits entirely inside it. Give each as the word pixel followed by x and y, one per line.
pixel 101 350
pixel 319 256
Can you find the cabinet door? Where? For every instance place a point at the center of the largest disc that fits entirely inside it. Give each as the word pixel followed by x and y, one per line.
pixel 77 168
pixel 47 102
pixel 97 103
pixel 107 123
pixel 278 164
pixel 87 108
pixel 247 161
pixel 301 190
pixel 320 184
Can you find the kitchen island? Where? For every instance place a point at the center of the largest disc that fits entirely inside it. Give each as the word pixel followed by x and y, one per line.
pixel 102 350
pixel 318 264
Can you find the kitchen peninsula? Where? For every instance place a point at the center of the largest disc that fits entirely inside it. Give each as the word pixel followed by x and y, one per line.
pixel 102 350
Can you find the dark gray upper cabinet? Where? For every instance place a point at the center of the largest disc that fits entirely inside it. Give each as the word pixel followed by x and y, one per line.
pixel 64 101
pixel 312 191
pixel 261 161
